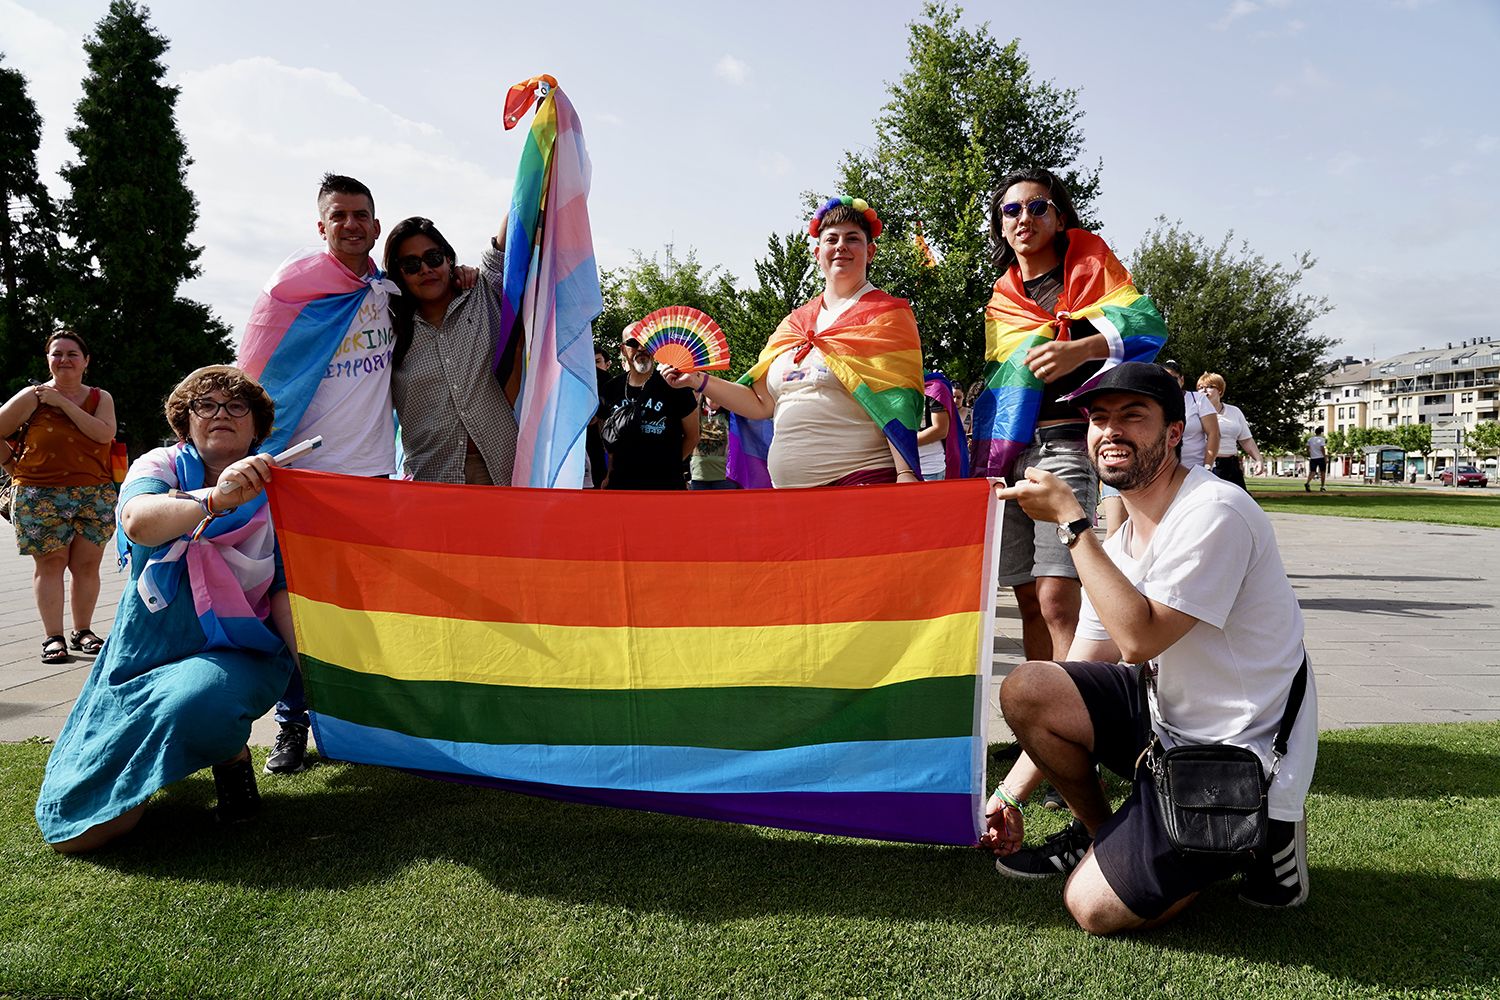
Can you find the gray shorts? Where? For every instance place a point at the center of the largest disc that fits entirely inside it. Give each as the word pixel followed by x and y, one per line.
pixel 1028 549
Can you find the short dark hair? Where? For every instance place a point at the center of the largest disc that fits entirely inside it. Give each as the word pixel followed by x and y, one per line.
pixel 1320 430
pixel 340 184
pixel 1001 251
pixel 845 213
pixel 67 335
pixel 404 306
pixel 233 383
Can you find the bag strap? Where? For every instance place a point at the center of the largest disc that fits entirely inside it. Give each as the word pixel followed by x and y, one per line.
pixel 1288 714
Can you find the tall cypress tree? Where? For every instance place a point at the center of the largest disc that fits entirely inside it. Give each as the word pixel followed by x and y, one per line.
pixel 130 215
pixel 28 236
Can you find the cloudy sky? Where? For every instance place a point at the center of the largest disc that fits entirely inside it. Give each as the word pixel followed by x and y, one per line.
pixel 1363 131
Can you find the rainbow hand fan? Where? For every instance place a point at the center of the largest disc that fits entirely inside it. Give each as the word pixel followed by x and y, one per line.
pixel 684 338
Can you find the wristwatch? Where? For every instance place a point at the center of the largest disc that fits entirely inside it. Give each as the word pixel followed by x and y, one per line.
pixel 1070 532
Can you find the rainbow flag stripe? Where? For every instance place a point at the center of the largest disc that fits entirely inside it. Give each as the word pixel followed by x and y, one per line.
pixel 551 295
pixel 781 679
pixel 1097 288
pixel 874 351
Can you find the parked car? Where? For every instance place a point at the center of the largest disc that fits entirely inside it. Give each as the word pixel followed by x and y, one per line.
pixel 1467 476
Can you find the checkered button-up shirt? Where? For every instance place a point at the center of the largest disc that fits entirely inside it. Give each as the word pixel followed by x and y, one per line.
pixel 445 389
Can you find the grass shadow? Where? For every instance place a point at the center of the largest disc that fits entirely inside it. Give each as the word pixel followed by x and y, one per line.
pixel 1379 769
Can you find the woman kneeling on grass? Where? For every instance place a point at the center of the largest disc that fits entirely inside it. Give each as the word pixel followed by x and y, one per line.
pixel 197 652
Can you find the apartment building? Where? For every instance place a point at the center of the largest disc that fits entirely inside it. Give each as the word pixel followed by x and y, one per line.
pixel 1457 385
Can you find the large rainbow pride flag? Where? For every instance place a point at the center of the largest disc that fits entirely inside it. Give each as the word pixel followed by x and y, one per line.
pixel 1097 288
pixel 822 668
pixel 551 289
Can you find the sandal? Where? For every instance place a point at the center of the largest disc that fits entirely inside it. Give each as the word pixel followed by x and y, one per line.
pixel 55 650
pixel 85 641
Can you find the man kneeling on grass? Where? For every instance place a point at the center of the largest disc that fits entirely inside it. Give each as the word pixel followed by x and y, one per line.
pixel 1194 584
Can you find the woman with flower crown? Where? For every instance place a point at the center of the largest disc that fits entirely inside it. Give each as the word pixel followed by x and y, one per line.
pixel 841 378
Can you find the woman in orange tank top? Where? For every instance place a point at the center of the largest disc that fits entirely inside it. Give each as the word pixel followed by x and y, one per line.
pixel 64 508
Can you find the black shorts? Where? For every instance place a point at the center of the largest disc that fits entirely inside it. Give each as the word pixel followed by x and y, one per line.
pixel 1317 464
pixel 1137 859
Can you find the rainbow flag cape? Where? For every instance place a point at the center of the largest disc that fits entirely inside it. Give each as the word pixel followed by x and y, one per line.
pixel 936 385
pixel 748 452
pixel 874 351
pixel 1096 287
pixel 551 290
pixel 818 678
pixel 299 320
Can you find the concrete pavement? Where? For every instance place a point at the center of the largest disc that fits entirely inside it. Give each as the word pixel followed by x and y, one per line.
pixel 1401 627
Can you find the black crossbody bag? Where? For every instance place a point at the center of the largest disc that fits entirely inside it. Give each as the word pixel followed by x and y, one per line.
pixel 1212 796
pixel 622 421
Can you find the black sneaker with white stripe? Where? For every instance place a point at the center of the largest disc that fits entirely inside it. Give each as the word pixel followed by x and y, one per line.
pixel 1280 879
pixel 1057 855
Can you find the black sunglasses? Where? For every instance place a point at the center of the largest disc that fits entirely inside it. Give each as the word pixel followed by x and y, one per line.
pixel 209 408
pixel 1037 208
pixel 433 258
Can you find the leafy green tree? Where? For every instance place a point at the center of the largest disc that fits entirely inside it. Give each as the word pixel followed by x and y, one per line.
pixel 966 111
pixel 1231 311
pixel 1484 437
pixel 28 237
pixel 786 279
pixel 130 216
pixel 1415 439
pixel 1338 443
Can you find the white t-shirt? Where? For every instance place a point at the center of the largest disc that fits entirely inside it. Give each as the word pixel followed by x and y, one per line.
pixel 1214 557
pixel 821 432
pixel 1194 441
pixel 351 407
pixel 1317 447
pixel 1233 427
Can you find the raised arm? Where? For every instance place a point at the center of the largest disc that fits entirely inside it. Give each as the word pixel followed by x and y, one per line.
pixel 754 402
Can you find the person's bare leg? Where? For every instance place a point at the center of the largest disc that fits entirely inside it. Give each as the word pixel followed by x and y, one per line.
pixel 1060 598
pixel 47 584
pixel 1114 515
pixel 83 566
pixel 96 837
pixel 1036 637
pixel 1043 708
pixel 1093 903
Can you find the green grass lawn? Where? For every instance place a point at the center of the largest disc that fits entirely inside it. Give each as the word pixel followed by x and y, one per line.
pixel 363 882
pixel 1468 507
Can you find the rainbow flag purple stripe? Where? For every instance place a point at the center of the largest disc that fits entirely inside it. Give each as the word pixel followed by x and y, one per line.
pixel 551 295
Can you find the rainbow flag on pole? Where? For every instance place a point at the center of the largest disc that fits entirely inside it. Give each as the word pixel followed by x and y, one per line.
pixel 823 668
pixel 1097 288
pixel 551 289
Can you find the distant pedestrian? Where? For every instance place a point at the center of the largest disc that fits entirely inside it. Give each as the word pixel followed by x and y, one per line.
pixel 710 456
pixel 1317 462
pixel 1234 432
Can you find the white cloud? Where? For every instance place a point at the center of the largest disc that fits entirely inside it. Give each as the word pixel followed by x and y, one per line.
pixel 1308 80
pixel 773 164
pixel 732 70
pixel 1235 11
pixel 1343 163
pixel 1487 143
pixel 262 133
pixel 54 65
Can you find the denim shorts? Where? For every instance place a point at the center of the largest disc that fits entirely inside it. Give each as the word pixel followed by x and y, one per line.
pixel 1028 549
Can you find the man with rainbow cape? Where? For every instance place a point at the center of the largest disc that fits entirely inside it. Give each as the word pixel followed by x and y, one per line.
pixel 836 397
pixel 1063 312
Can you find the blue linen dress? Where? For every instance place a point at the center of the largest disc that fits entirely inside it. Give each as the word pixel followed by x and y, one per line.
pixel 156 707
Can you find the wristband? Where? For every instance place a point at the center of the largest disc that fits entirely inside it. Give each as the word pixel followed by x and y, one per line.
pixel 1007 798
pixel 703 386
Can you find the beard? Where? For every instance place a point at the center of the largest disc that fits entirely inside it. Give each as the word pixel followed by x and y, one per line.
pixel 642 365
pixel 1144 466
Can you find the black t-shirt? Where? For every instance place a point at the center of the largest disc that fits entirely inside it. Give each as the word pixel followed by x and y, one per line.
pixel 648 456
pixel 1045 291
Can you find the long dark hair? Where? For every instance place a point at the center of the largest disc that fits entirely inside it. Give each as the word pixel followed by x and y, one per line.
pixel 1002 254
pixel 404 306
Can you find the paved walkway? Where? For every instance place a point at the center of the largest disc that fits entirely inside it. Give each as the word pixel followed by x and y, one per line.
pixel 1401 626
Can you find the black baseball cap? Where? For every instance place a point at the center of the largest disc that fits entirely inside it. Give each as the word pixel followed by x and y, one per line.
pixel 1142 379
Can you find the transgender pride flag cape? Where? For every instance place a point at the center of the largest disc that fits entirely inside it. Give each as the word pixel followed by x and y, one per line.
pixel 305 311
pixel 1096 287
pixel 840 685
pixel 551 290
pixel 872 349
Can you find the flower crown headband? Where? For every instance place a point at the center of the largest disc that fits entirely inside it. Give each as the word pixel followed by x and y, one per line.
pixel 858 204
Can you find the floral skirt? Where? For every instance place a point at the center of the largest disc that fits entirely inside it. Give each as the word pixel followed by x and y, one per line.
pixel 47 517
